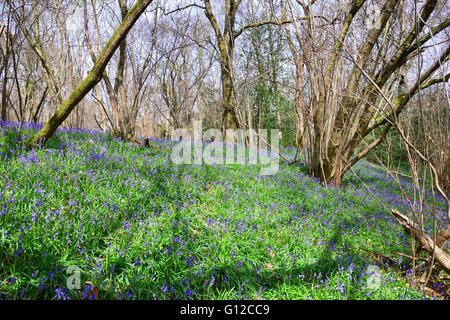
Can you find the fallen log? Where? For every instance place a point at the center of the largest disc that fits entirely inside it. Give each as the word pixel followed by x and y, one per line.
pixel 414 230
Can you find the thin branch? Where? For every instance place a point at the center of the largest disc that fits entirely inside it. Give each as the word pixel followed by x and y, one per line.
pixel 104 109
pixel 182 8
pixel 398 109
pixel 435 81
pixel 410 257
pixel 274 22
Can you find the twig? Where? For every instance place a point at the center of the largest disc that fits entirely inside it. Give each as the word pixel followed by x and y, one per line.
pixel 409 257
pixel 377 254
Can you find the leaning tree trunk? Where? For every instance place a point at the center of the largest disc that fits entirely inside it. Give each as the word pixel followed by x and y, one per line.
pixel 93 77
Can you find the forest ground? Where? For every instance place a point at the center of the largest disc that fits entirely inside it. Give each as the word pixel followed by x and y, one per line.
pixel 140 227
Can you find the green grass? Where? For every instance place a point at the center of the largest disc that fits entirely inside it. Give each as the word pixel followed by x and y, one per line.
pixel 140 227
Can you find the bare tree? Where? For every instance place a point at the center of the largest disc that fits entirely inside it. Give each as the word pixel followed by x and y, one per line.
pixel 224 43
pixel 93 77
pixel 182 71
pixel 343 107
pixel 25 93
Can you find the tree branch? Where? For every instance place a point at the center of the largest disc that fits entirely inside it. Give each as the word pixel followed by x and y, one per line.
pixel 182 8
pixel 400 102
pixel 435 81
pixel 407 46
pixel 274 22
pixel 104 110
pixel 209 14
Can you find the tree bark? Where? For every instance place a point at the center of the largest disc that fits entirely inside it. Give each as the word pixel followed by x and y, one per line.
pixel 4 113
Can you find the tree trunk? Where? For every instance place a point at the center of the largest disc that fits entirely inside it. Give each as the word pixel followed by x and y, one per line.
pixel 93 77
pixel 229 118
pixel 123 129
pixel 4 114
pixel 225 43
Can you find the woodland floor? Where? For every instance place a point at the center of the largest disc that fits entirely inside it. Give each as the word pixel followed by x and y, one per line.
pixel 140 227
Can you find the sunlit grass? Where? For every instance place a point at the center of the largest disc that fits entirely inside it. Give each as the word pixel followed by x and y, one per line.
pixel 140 227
